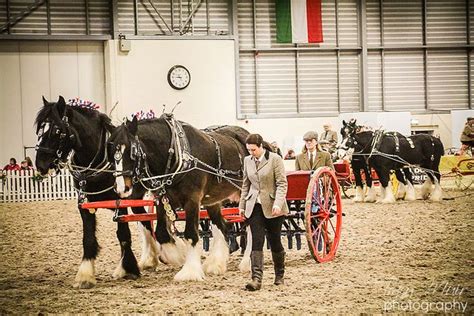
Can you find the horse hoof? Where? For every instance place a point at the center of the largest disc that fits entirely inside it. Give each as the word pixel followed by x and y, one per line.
pixel 131 276
pixel 84 285
pixel 149 264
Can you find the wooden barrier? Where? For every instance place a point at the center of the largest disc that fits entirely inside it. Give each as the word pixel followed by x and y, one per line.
pixel 21 186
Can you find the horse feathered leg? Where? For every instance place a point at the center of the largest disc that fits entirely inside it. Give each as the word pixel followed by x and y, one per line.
pixel 410 192
pixel 371 196
pixel 85 277
pixel 402 181
pixel 216 262
pixel 192 269
pixel 172 250
pixel 359 196
pixel 388 196
pixel 149 255
pixel 128 266
pixel 426 189
pixel 357 167
pixel 245 265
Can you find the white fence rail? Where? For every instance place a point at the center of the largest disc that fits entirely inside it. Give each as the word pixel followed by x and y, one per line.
pixel 20 186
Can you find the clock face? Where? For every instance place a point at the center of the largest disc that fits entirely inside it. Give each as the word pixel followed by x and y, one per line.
pixel 179 77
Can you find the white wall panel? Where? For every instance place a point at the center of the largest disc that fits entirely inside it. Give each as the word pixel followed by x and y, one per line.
pixel 276 83
pixel 446 22
pixel 63 68
pixel 447 79
pixel 402 22
pixel 91 72
pixel 348 23
pixel 35 82
pixel 245 23
pixel 140 79
pixel 349 82
pixel 328 11
pixel 404 81
pixel 471 22
pixel 10 103
pixel 318 82
pixel 266 24
pixel 374 65
pixel 32 69
pixel 373 23
pixel 247 83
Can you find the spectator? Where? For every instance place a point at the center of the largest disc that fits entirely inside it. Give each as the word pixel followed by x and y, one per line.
pixel 467 136
pixel 329 135
pixel 276 149
pixel 12 165
pixel 290 155
pixel 30 162
pixel 24 165
pixel 312 156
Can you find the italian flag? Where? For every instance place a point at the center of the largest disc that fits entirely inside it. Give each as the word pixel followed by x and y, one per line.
pixel 299 21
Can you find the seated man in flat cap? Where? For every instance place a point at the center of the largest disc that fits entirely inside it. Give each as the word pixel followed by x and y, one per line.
pixel 312 157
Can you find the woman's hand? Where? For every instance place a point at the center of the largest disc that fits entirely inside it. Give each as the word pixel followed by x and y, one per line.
pixel 276 211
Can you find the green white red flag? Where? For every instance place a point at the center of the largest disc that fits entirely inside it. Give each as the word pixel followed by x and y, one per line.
pixel 299 21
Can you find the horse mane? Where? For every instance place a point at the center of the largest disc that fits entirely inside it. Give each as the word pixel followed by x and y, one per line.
pixel 48 111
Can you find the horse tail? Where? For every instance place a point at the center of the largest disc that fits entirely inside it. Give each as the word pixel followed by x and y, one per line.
pixel 439 147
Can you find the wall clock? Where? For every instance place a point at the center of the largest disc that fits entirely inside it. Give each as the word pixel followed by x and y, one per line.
pixel 179 77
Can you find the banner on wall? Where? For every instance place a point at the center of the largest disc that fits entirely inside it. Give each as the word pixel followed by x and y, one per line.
pixel 299 21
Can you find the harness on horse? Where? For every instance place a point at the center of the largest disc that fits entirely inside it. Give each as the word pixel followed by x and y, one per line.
pixel 184 161
pixel 379 135
pixel 80 174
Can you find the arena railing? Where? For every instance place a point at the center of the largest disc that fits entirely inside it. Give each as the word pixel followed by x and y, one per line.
pixel 25 186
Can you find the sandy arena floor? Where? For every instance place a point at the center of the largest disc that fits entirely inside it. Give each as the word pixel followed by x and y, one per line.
pixel 410 256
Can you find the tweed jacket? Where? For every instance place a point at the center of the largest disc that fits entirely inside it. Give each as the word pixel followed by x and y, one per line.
pixel 330 137
pixel 268 183
pixel 322 159
pixel 467 133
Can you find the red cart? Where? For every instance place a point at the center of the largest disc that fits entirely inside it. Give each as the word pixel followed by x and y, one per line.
pixel 315 204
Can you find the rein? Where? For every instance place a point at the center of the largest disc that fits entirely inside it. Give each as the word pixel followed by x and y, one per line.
pixel 184 161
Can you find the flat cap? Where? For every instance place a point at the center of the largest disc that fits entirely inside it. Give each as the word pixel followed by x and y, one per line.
pixel 310 135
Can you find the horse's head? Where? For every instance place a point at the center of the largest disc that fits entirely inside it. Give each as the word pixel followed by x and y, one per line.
pixel 125 150
pixel 56 138
pixel 348 132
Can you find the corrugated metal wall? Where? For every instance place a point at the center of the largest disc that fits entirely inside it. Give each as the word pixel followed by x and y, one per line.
pixel 211 17
pixel 282 79
pixel 417 59
pixel 68 17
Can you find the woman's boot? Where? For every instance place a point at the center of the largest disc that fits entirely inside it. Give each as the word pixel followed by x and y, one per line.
pixel 256 259
pixel 279 265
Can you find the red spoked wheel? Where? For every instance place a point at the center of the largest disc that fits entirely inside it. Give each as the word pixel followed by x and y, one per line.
pixel 323 215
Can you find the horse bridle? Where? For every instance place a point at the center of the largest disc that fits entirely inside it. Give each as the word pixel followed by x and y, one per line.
pixel 137 155
pixel 65 132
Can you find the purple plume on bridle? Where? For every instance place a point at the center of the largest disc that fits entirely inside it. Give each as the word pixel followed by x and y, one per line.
pixel 144 115
pixel 85 104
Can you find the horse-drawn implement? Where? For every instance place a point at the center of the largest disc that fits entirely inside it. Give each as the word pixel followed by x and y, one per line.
pixel 314 200
pixel 186 168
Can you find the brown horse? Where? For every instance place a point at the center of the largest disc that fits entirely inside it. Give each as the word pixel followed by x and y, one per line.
pixel 189 168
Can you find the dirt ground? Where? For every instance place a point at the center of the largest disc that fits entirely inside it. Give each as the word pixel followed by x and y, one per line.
pixel 406 257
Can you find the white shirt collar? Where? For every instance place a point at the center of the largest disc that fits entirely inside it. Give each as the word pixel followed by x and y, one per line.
pixel 261 157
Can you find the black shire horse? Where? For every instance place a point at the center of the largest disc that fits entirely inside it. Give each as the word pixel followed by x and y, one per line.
pixel 187 168
pixel 65 131
pixel 359 162
pixel 388 151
